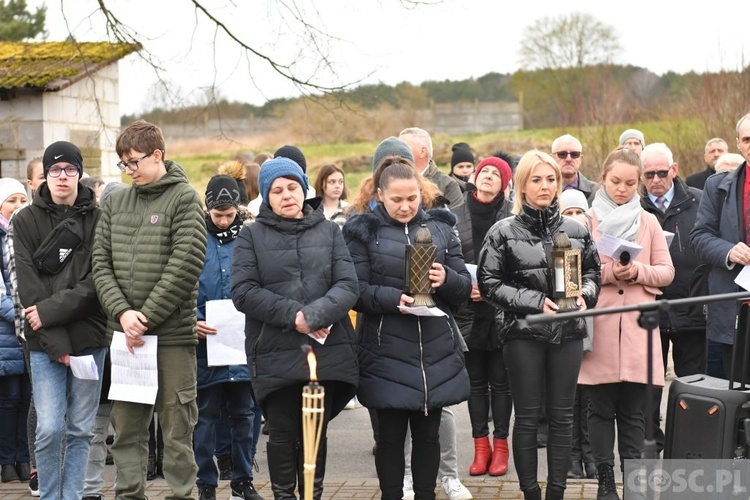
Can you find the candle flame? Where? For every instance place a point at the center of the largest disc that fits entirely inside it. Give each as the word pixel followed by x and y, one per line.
pixel 313 364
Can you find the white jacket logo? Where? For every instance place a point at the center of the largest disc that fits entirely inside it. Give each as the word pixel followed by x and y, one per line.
pixel 64 252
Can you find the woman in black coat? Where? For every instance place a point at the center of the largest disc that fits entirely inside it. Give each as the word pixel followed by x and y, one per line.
pixel 293 278
pixel 542 360
pixel 484 205
pixel 410 366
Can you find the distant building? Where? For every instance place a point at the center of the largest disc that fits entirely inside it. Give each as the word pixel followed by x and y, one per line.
pixel 60 91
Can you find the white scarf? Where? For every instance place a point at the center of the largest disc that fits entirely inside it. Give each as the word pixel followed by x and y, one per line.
pixel 621 221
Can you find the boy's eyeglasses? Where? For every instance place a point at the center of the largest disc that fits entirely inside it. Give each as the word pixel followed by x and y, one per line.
pixel 661 173
pixel 70 171
pixel 133 164
pixel 564 154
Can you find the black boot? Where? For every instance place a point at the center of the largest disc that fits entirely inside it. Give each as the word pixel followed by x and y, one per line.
pixel 151 467
pixel 575 471
pixel 590 468
pixel 320 470
pixel 554 493
pixel 533 494
pixel 282 467
pixel 607 487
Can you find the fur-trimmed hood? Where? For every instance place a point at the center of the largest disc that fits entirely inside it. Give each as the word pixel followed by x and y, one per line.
pixel 364 227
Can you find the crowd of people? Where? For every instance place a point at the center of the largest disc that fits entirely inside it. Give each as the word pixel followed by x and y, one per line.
pixel 82 259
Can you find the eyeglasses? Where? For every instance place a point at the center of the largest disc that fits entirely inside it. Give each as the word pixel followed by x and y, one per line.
pixel 70 171
pixel 661 173
pixel 564 154
pixel 133 164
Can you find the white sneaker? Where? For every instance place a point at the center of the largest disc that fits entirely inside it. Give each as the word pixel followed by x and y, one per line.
pixel 408 492
pixel 454 490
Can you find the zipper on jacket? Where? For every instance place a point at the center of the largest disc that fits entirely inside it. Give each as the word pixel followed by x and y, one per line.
pixel 406 232
pixel 421 363
pixel 255 351
pixel 677 234
pixel 379 327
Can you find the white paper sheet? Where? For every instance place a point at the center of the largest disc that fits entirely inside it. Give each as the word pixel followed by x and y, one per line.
pixel 227 347
pixel 84 367
pixel 472 268
pixel 612 247
pixel 134 376
pixel 422 311
pixel 743 279
pixel 669 236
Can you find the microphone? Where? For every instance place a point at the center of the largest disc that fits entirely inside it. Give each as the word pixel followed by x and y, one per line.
pixel 625 258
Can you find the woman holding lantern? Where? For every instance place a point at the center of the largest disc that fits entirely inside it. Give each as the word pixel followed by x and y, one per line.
pixel 410 366
pixel 515 276
pixel 293 278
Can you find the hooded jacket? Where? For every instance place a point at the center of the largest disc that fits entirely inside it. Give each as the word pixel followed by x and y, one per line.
pixel 149 251
pixel 282 266
pixel 514 273
pixel 407 362
pixel 66 302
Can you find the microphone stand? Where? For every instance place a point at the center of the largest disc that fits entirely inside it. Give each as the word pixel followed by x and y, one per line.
pixel 648 319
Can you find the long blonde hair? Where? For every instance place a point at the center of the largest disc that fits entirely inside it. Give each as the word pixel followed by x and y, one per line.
pixel 525 168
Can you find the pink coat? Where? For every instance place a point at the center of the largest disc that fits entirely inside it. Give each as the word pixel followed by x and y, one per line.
pixel 620 347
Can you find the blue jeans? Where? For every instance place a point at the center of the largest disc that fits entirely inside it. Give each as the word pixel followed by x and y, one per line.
pixel 15 396
pixel 239 405
pixel 66 408
pixel 94 483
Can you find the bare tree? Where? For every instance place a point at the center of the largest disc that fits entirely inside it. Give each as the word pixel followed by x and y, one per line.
pixel 572 41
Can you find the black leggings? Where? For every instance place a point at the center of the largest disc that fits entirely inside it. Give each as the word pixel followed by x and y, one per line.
pixel 487 369
pixel 425 454
pixel 534 366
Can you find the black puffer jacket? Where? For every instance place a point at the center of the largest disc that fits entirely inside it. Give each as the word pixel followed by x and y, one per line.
pixel 476 319
pixel 406 362
pixel 66 302
pixel 514 274
pixel 281 266
pixel 679 218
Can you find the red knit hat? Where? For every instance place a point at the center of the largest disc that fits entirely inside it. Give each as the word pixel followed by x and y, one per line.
pixel 505 172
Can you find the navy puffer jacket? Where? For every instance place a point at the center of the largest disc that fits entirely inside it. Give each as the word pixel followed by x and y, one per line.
pixel 407 362
pixel 214 285
pixel 11 353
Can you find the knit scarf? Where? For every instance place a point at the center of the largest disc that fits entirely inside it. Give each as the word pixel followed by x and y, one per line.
pixel 224 235
pixel 621 221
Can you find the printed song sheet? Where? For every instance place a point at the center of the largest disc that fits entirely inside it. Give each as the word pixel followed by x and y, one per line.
pixel 612 246
pixel 422 311
pixel 227 347
pixel 84 367
pixel 134 376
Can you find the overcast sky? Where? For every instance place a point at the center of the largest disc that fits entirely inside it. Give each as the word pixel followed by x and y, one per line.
pixel 383 41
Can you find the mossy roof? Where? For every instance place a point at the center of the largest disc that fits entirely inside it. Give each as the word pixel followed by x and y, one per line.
pixel 55 65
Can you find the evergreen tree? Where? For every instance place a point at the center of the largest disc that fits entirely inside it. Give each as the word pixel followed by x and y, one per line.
pixel 17 23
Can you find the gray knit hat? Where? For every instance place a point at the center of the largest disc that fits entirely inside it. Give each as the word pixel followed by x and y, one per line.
pixel 632 133
pixel 392 146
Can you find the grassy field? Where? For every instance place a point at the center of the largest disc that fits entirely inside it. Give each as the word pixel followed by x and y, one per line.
pixel 201 158
pixel 354 158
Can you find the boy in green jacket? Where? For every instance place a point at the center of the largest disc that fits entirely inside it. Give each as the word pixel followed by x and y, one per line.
pixel 148 254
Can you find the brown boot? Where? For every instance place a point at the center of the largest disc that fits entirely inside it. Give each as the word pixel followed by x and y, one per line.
pixel 499 464
pixel 482 456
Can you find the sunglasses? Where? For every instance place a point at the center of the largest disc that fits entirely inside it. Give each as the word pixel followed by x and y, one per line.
pixel 564 154
pixel 661 173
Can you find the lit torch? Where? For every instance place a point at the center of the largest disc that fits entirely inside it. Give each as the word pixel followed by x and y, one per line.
pixel 313 408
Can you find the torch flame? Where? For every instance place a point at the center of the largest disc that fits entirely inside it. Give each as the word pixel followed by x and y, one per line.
pixel 313 364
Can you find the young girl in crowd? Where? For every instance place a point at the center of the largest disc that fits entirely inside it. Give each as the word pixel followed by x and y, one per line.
pixel 410 366
pixel 615 373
